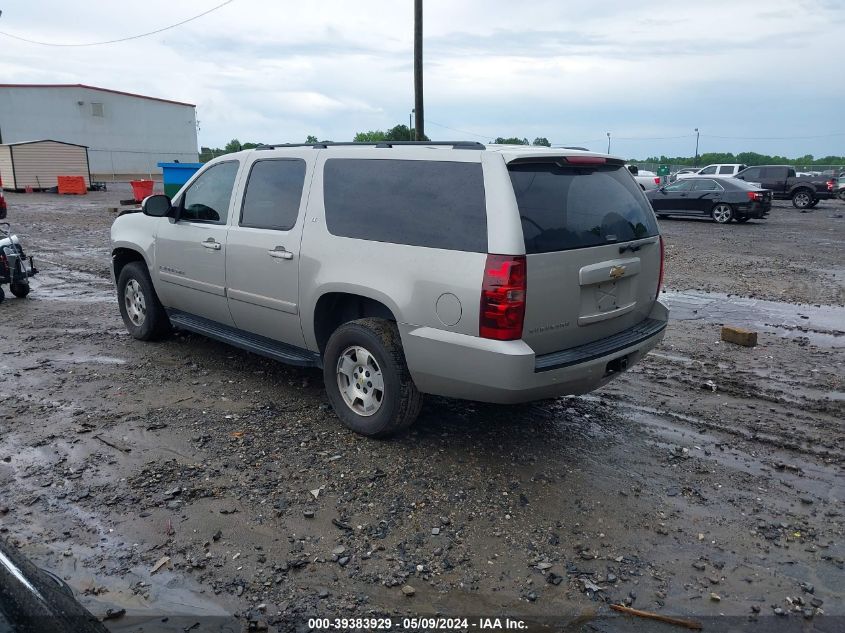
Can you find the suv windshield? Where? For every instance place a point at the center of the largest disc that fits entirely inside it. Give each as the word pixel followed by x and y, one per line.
pixel 566 207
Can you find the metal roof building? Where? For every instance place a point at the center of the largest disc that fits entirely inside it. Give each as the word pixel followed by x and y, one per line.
pixel 127 134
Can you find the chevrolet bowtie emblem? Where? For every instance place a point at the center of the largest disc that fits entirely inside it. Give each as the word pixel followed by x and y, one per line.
pixel 617 271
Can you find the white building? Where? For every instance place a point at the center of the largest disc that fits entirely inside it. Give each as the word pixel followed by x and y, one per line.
pixel 126 134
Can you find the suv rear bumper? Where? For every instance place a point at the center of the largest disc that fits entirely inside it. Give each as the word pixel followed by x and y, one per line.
pixel 472 368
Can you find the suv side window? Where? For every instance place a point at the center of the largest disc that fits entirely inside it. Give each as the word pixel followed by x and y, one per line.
pixel 708 170
pixel 726 169
pixel 752 173
pixel 438 204
pixel 207 199
pixel 273 194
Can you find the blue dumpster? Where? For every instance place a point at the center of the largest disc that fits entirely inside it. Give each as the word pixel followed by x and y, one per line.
pixel 177 174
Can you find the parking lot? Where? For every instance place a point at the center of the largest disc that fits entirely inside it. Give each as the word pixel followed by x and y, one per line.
pixel 706 481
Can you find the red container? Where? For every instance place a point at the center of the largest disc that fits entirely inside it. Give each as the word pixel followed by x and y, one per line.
pixel 70 185
pixel 142 189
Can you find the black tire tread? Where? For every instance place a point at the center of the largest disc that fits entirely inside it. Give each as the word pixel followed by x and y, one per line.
pixel 409 398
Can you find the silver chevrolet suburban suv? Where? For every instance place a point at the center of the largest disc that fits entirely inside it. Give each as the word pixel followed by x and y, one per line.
pixel 502 273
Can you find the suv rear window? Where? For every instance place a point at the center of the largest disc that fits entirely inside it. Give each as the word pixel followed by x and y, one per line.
pixel 437 204
pixel 566 207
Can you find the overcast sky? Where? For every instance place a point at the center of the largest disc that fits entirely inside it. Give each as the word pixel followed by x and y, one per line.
pixel 747 73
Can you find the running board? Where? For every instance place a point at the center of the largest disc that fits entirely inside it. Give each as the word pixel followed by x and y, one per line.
pixel 254 343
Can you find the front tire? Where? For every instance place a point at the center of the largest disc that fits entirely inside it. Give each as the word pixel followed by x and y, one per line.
pixel 142 312
pixel 367 378
pixel 722 213
pixel 802 199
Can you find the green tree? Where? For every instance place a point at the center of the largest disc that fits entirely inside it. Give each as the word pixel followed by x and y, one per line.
pixel 373 136
pixel 232 146
pixel 542 141
pixel 311 139
pixel 511 140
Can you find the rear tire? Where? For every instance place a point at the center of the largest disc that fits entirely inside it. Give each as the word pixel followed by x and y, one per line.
pixel 367 378
pixel 722 213
pixel 2 295
pixel 813 204
pixel 802 199
pixel 19 289
pixel 142 312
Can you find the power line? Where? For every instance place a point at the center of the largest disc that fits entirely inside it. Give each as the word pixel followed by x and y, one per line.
pixel 446 127
pixel 122 39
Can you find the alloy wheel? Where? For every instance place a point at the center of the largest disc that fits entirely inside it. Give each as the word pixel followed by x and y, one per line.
pixel 722 213
pixel 360 381
pixel 133 299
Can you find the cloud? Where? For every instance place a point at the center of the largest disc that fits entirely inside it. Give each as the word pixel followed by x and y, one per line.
pixel 570 71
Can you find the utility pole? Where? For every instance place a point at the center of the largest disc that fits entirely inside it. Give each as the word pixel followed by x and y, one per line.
pixel 418 70
pixel 608 142
pixel 411 125
pixel 695 162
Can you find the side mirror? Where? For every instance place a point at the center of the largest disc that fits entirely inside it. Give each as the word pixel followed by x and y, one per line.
pixel 157 206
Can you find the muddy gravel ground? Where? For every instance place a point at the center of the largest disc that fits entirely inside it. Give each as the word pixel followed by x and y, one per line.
pixel 195 485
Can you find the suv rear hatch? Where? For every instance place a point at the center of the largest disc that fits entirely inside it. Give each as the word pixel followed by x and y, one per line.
pixel 592 247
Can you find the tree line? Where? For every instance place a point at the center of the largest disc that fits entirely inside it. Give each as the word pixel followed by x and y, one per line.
pixel 745 158
pixel 402 132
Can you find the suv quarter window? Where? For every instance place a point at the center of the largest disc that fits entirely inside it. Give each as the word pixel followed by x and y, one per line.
pixel 437 204
pixel 726 169
pixel 273 194
pixel 208 197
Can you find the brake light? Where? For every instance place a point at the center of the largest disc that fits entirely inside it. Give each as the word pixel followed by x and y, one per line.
pixel 830 185
pixel 754 195
pixel 585 160
pixel 503 298
pixel 657 180
pixel 662 266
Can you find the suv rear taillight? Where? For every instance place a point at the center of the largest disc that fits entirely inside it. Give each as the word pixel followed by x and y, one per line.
pixel 657 180
pixel 662 266
pixel 830 184
pixel 503 298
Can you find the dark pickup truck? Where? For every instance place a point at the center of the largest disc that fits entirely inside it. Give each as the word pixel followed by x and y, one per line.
pixel 805 192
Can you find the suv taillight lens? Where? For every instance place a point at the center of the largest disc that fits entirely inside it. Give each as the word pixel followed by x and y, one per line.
pixel 657 180
pixel 503 298
pixel 662 266
pixel 830 185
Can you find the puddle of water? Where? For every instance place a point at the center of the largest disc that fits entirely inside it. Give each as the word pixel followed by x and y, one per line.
pixel 822 325
pixel 66 285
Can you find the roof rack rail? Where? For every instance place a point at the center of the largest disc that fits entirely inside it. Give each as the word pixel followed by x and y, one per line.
pixel 452 144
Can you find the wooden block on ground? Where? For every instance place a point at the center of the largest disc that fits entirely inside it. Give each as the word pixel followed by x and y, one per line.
pixel 739 336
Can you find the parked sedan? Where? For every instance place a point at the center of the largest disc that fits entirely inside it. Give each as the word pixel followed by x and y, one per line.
pixel 723 199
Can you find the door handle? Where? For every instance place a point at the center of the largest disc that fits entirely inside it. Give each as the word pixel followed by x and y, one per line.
pixel 280 252
pixel 212 244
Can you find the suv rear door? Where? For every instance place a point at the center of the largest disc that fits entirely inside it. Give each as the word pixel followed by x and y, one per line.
pixel 262 266
pixel 592 248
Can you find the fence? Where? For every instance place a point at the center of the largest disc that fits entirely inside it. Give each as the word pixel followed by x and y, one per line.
pixel 114 165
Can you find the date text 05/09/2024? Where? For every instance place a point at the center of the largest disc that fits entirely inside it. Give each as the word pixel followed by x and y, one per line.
pixel 416 624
